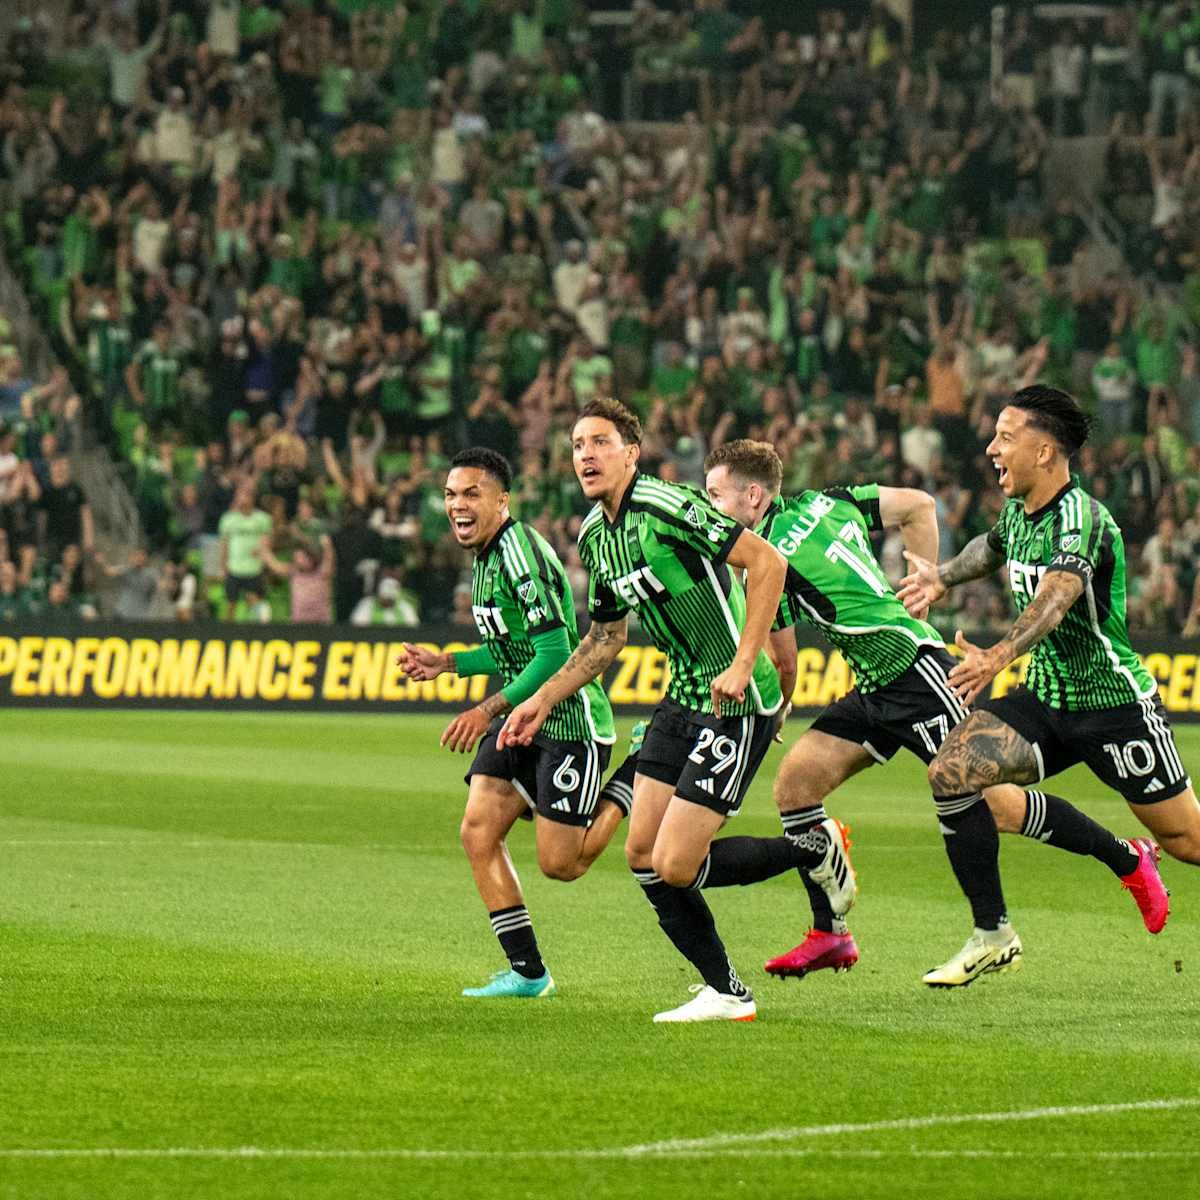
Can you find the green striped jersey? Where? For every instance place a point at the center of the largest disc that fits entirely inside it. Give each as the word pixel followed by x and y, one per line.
pixel 835 584
pixel 1086 663
pixel 519 589
pixel 664 557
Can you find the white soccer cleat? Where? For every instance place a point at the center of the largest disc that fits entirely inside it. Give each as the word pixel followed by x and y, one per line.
pixel 987 952
pixel 835 876
pixel 710 1005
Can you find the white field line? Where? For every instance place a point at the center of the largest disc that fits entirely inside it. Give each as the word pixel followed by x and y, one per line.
pixel 719 1145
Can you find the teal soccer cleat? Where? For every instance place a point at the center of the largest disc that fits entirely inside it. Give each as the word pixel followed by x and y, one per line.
pixel 509 983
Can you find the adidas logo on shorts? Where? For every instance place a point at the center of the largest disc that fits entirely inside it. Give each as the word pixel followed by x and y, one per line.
pixel 563 805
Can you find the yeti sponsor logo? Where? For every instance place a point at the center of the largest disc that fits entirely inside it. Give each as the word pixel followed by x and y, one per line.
pixel 637 586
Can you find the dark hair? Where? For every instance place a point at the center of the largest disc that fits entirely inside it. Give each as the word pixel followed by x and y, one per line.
pixel 628 426
pixel 755 462
pixel 1056 413
pixel 494 463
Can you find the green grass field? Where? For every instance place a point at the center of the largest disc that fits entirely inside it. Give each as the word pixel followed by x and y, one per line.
pixel 224 932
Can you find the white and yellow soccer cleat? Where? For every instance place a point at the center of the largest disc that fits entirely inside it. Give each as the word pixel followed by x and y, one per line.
pixel 836 876
pixel 987 952
pixel 710 1005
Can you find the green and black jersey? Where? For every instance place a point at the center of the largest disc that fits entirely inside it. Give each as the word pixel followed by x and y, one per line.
pixel 1086 663
pixel 518 590
pixel 664 556
pixel 835 584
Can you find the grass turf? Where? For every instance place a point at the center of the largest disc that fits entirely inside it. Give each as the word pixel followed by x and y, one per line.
pixel 223 931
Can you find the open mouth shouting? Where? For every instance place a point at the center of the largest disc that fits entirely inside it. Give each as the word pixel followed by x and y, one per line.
pixel 464 526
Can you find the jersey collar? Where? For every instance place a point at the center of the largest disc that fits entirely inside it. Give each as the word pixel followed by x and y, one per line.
pixel 626 501
pixel 496 538
pixel 1039 513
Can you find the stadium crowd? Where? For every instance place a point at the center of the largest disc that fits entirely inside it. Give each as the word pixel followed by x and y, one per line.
pixel 295 254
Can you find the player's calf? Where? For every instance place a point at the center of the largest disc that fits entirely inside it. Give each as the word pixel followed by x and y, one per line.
pixel 1175 823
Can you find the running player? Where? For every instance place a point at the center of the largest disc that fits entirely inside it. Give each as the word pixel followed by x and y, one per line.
pixel 663 551
pixel 901 697
pixel 525 615
pixel 1087 697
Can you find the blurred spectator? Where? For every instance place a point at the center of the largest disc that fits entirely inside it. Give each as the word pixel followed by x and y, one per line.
pixel 390 605
pixel 306 252
pixel 137 583
pixel 310 574
pixel 241 531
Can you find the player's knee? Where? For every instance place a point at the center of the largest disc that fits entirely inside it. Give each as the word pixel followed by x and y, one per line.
pixel 560 867
pixel 479 838
pixel 673 869
pixel 944 779
pixel 638 852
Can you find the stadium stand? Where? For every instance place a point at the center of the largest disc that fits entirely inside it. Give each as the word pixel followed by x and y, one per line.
pixel 313 247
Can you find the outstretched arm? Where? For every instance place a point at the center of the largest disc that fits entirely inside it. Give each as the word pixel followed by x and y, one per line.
pixel 927 583
pixel 1055 594
pixel 599 647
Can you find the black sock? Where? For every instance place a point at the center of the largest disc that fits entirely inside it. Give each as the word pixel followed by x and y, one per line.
pixel 973 845
pixel 799 821
pixel 514 931
pixel 743 860
pixel 1053 820
pixel 687 921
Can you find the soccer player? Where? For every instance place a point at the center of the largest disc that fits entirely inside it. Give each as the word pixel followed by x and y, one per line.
pixel 1087 697
pixel 663 551
pixel 525 615
pixel 901 697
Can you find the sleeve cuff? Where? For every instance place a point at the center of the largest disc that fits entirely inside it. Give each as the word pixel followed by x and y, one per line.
pixel 1073 564
pixel 727 547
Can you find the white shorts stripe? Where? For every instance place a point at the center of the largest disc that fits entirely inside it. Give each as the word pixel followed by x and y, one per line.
pixel 743 754
pixel 935 673
pixel 941 689
pixel 1161 732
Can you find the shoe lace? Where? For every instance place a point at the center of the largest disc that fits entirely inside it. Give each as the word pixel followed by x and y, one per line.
pixel 696 988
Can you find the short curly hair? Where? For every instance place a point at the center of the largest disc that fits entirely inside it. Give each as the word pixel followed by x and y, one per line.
pixel 755 462
pixel 625 419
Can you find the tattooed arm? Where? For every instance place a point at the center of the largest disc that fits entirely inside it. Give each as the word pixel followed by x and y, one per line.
pixel 928 582
pixel 599 647
pixel 976 559
pixel 1055 594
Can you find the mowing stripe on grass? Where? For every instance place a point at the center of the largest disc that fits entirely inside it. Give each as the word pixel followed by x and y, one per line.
pixel 728 1144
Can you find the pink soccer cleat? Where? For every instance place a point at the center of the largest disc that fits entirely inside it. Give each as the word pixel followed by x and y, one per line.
pixel 1145 884
pixel 818 951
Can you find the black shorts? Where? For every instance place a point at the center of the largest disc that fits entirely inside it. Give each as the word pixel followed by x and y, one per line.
pixel 1130 748
pixel 236 586
pixel 558 780
pixel 709 760
pixel 916 711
